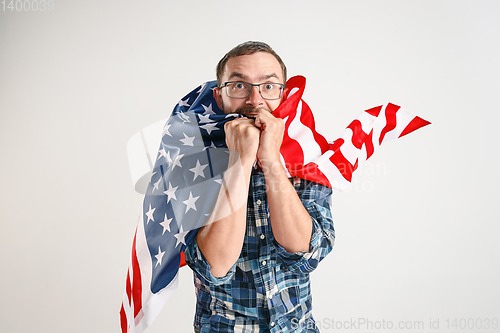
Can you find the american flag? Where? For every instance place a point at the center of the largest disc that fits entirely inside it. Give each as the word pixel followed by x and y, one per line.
pixel 307 154
pixel 189 171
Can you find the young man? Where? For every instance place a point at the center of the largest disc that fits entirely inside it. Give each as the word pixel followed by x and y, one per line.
pixel 251 269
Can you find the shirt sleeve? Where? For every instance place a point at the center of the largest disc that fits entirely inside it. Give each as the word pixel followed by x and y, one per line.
pixel 316 199
pixel 197 262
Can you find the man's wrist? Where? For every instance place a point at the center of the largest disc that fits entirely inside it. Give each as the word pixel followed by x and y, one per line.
pixel 271 167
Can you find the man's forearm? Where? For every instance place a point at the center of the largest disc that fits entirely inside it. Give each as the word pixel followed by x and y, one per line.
pixel 291 223
pixel 221 241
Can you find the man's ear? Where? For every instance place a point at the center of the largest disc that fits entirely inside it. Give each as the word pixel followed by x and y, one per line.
pixel 218 97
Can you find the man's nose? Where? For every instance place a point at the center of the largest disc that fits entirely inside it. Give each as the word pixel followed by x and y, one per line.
pixel 254 98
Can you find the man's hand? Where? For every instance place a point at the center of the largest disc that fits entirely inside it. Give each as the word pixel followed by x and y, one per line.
pixel 242 136
pixel 271 137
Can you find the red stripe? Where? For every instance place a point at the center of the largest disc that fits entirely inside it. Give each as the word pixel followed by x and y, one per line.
pixel 374 111
pixel 290 104
pixel 128 288
pixel 136 280
pixel 183 260
pixel 390 117
pixel 311 172
pixel 291 150
pixel 415 124
pixel 358 136
pixel 343 165
pixel 336 144
pixel 369 144
pixel 123 320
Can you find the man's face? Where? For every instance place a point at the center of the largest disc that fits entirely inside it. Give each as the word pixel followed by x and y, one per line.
pixel 259 67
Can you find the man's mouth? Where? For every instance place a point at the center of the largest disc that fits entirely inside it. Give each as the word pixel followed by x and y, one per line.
pixel 249 112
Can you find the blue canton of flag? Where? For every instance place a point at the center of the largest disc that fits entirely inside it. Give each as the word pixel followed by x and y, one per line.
pixel 185 185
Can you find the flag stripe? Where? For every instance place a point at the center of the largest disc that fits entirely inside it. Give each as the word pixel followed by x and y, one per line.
pixel 415 124
pixel 306 118
pixel 390 117
pixel 136 280
pixel 300 132
pixel 358 136
pixel 129 289
pixel 123 320
pixel 370 149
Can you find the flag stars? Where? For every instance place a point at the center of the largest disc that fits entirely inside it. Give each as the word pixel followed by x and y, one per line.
pixel 208 109
pixel 156 185
pixel 190 202
pixel 166 130
pixel 184 102
pixel 149 214
pixel 181 236
pixel 169 159
pixel 201 87
pixel 198 170
pixel 162 153
pixel 185 118
pixel 209 128
pixel 171 192
pixel 188 141
pixel 212 145
pixel 166 224
pixel 204 118
pixel 159 256
pixel 177 161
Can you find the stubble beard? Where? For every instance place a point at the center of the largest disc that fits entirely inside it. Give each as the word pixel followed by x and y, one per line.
pixel 248 110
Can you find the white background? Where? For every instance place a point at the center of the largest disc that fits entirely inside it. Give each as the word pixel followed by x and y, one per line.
pixel 417 234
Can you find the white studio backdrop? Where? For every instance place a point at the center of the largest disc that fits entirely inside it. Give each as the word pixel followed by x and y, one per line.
pixel 417 233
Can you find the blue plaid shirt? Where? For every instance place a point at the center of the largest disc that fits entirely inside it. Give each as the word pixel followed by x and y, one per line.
pixel 267 289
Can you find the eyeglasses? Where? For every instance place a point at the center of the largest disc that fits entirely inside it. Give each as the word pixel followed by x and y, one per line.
pixel 238 89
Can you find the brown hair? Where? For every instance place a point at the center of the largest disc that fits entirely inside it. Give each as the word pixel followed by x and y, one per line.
pixel 247 48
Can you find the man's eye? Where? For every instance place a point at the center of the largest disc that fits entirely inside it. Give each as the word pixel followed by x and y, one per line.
pixel 269 86
pixel 239 85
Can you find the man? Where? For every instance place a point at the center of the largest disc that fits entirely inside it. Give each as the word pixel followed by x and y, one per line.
pixel 251 269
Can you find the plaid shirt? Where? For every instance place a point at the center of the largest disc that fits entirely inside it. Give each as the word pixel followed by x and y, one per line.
pixel 267 289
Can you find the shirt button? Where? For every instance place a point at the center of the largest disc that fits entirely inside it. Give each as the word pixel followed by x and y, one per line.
pixel 264 263
pixel 272 323
pixel 259 202
pixel 262 236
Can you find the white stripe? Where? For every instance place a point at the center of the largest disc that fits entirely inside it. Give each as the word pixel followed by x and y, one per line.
pixel 403 118
pixel 378 125
pixel 349 151
pixel 293 91
pixel 304 136
pixel 331 172
pixel 151 303
pixel 362 154
pixel 366 121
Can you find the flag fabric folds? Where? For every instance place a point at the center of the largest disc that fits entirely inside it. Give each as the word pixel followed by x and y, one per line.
pixel 188 178
pixel 307 154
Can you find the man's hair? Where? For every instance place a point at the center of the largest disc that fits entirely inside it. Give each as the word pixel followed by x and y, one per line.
pixel 247 48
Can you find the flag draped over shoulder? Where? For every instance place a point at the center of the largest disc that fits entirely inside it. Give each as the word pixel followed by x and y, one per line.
pixel 181 197
pixel 187 187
